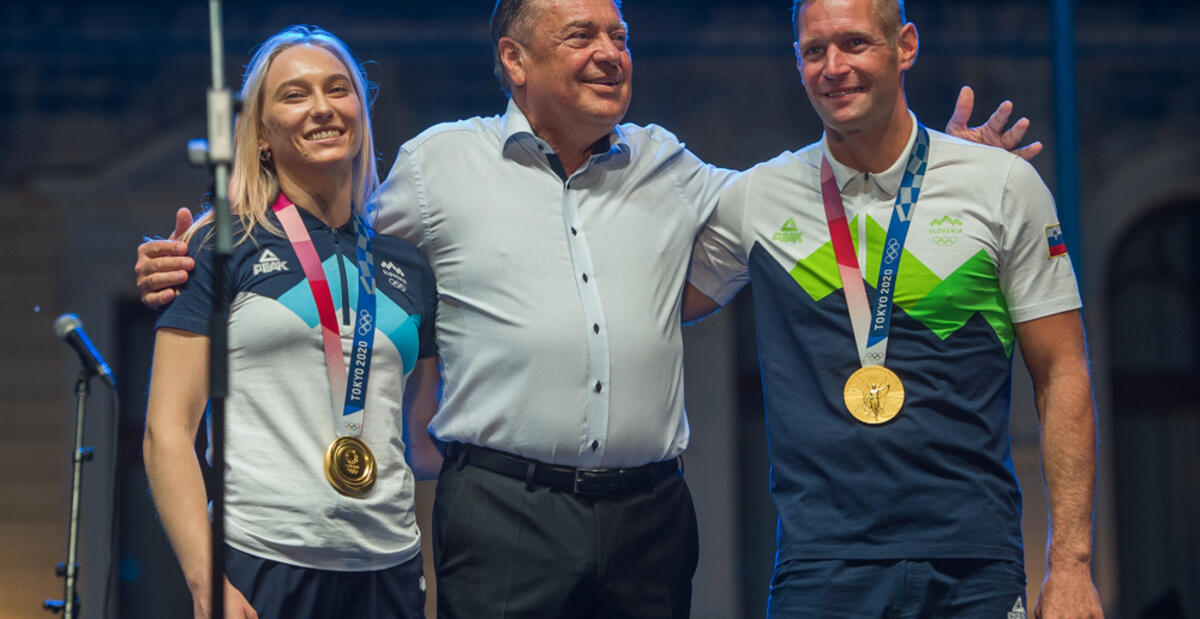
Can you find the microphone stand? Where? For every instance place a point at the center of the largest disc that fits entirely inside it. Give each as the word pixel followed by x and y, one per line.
pixel 69 605
pixel 218 153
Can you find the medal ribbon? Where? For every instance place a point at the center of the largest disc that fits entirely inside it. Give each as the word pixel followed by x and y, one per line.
pixel 871 322
pixel 350 422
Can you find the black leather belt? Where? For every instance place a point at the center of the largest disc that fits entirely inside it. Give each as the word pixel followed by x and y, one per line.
pixel 582 480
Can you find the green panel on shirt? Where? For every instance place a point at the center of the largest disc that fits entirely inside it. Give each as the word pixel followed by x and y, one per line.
pixel 818 274
pixel 943 306
pixel 972 288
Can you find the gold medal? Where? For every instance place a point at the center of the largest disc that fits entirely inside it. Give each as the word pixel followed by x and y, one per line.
pixel 350 466
pixel 873 394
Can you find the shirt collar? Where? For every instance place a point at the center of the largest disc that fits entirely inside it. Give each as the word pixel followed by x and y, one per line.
pixel 888 180
pixel 513 125
pixel 312 222
pixel 515 129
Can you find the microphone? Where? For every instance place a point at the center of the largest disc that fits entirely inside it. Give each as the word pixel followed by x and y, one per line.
pixel 69 329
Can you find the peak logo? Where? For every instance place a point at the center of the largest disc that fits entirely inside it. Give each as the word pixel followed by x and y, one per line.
pixel 788 233
pixel 1018 610
pixel 268 262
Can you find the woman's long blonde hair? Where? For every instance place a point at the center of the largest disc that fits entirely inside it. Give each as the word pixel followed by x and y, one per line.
pixel 253 185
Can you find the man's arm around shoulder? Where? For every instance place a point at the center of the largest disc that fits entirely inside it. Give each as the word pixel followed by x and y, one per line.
pixel 162 265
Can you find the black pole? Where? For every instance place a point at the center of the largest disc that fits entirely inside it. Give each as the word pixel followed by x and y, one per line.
pixel 70 570
pixel 81 454
pixel 220 157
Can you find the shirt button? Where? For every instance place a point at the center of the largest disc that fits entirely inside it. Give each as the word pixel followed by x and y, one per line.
pixel 585 278
pixel 574 231
pixel 597 386
pixel 596 328
pixel 595 444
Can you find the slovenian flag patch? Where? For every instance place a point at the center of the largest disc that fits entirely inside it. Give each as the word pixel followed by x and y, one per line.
pixel 1056 243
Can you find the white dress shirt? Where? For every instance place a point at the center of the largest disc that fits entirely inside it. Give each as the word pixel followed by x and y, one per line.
pixel 558 320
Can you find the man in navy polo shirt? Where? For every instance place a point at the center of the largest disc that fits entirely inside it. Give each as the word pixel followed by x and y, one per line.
pixel 895 268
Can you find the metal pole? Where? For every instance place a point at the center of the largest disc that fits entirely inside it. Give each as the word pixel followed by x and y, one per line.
pixel 220 157
pixel 69 571
pixel 81 454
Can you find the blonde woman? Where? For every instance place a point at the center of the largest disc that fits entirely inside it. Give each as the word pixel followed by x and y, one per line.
pixel 326 322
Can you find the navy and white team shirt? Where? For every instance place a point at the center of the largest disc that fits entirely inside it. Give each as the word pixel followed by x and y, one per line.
pixel 984 252
pixel 279 419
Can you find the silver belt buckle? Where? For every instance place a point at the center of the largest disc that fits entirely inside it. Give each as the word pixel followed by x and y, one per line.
pixel 596 481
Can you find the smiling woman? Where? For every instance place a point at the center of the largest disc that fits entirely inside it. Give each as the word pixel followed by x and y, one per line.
pixel 322 82
pixel 319 496
pixel 311 124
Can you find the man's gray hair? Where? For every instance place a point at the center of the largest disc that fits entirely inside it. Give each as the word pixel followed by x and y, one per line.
pixel 513 19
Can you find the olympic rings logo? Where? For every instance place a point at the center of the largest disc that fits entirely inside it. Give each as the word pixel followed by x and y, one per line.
pixel 893 250
pixel 944 241
pixel 365 322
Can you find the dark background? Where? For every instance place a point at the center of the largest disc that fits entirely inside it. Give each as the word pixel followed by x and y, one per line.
pixel 102 98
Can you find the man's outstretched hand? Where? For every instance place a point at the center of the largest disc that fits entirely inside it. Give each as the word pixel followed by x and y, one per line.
pixel 992 132
pixel 163 265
